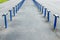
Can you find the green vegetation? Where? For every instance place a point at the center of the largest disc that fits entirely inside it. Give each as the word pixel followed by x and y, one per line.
pixel 2 1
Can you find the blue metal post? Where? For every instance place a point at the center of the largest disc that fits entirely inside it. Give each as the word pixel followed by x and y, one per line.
pixel 5 20
pixel 20 4
pixel 33 0
pixel 48 15
pixel 45 12
pixel 55 21
pixel 38 6
pixel 16 8
pixel 10 15
pixel 42 9
pixel 14 11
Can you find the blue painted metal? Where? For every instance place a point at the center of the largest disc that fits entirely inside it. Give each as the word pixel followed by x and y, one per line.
pixel 55 21
pixel 20 4
pixel 42 9
pixel 14 11
pixel 37 4
pixel 5 20
pixel 48 15
pixel 16 8
pixel 45 11
pixel 33 0
pixel 10 15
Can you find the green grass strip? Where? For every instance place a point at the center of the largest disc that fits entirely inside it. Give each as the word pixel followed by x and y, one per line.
pixel 2 1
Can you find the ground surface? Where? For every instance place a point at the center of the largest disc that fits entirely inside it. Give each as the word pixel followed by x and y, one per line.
pixel 28 24
pixel 54 7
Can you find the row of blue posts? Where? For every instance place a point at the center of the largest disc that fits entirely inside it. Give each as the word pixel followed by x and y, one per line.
pixel 14 11
pixel 46 12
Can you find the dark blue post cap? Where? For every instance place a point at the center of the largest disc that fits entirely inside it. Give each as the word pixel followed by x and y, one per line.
pixel 56 15
pixel 5 14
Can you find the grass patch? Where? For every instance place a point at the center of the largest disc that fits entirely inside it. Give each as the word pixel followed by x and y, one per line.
pixel 2 1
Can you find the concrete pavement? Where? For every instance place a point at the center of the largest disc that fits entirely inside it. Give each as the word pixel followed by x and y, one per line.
pixel 28 24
